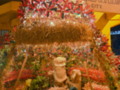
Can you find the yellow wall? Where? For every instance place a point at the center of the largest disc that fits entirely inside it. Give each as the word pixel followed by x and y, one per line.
pixel 98 15
pixel 8 12
pixel 106 29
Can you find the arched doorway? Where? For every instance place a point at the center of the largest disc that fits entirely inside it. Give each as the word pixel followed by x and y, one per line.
pixel 115 39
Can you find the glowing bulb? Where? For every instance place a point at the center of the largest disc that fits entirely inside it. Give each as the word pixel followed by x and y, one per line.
pixel 83 2
pixel 68 21
pixel 78 16
pixel 24 22
pixel 52 24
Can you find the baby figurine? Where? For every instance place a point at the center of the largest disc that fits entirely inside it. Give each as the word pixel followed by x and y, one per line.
pixel 75 79
pixel 60 75
pixel 59 72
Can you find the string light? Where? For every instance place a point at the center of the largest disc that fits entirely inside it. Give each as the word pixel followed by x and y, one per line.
pixel 52 24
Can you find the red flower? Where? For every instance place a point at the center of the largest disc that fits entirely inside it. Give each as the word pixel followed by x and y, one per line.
pixel 104 48
pixel 20 13
pixel 116 59
pixel 104 39
pixel 109 54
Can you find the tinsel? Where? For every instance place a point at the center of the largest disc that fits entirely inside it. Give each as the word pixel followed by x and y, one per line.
pixel 64 32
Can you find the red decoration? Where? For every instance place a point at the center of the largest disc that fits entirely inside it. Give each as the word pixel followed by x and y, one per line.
pixel 44 7
pixel 26 73
pixel 20 13
pixel 109 54
pixel 63 8
pixel 94 74
pixel 104 48
pixel 48 8
pixel 104 39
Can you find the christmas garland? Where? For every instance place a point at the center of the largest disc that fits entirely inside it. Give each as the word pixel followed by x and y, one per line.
pixel 49 34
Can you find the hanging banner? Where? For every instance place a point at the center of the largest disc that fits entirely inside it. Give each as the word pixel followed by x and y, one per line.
pixel 112 6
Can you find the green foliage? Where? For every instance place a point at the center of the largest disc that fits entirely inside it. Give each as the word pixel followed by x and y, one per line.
pixel 35 67
pixel 3 56
pixel 18 60
pixel 84 81
pixel 39 83
pixel 70 64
